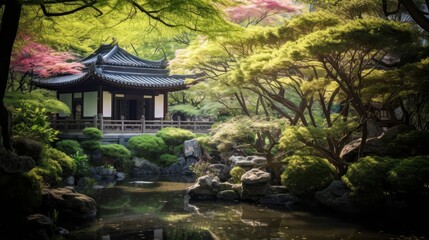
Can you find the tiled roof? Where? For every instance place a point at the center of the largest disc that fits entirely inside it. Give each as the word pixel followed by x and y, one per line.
pixel 113 65
pixel 114 55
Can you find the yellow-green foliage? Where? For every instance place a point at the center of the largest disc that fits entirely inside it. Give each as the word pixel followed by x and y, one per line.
pixel 41 98
pixel 115 152
pixel 410 175
pixel 116 155
pixel 304 175
pixel 93 133
pixel 32 121
pixel 147 146
pixel 174 136
pixel 236 173
pixel 54 165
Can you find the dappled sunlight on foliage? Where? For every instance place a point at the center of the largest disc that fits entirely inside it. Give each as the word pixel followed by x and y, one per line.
pixel 32 122
pixel 304 175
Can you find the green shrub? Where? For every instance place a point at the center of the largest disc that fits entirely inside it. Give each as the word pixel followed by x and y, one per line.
pixel 93 133
pixel 82 164
pixel 90 145
pixel 178 150
pixel 412 143
pixel 166 160
pixel 69 147
pixel 236 173
pixel 410 175
pixel 205 143
pixel 147 146
pixel 30 121
pixel 174 136
pixel 57 163
pixel 115 152
pixel 304 175
pixel 367 178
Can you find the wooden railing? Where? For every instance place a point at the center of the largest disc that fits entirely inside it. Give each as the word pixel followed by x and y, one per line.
pixel 129 126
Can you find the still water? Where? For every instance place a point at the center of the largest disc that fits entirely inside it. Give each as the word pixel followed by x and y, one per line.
pixel 158 210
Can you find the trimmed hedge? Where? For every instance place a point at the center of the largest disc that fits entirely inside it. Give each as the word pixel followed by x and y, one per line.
pixel 147 146
pixel 304 175
pixel 174 136
pixel 69 147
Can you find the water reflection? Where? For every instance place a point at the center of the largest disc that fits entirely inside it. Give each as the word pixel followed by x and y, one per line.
pixel 160 210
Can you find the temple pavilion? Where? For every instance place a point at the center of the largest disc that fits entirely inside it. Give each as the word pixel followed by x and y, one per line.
pixel 116 85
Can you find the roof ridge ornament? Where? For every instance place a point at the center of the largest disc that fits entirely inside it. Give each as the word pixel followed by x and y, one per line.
pixel 91 68
pixel 100 59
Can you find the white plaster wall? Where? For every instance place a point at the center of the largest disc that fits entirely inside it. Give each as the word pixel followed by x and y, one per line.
pixel 67 99
pixel 107 104
pixel 89 104
pixel 159 106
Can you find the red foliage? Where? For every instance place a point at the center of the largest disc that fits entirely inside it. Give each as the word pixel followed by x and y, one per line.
pixel 43 60
pixel 257 10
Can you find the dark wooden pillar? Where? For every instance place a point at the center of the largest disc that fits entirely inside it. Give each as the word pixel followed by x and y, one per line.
pixel 165 104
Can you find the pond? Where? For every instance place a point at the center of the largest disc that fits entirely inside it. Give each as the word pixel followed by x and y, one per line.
pixel 158 210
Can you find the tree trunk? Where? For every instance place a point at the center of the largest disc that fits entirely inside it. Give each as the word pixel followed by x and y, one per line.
pixel 8 29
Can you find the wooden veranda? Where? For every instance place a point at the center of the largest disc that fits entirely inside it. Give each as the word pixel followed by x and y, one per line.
pixel 129 126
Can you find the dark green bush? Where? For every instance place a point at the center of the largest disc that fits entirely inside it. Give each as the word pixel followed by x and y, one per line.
pixel 412 143
pixel 147 146
pixel 69 147
pixel 410 175
pixel 166 160
pixel 367 178
pixel 93 133
pixel 236 173
pixel 90 145
pixel 304 175
pixel 20 193
pixel 174 136
pixel 116 155
pixel 178 150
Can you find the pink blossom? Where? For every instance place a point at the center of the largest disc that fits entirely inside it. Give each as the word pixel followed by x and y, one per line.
pixel 257 10
pixel 43 60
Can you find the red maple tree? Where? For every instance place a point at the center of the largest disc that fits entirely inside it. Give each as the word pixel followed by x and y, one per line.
pixel 42 60
pixel 256 11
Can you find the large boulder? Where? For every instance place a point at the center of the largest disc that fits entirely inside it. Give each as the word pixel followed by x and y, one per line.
pixel 374 145
pixel 206 187
pixel 337 197
pixel 248 162
pixel 39 226
pixel 191 148
pixel 10 162
pixel 102 173
pixel 220 170
pixel 143 167
pixel 256 184
pixel 69 203
pixel 27 147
